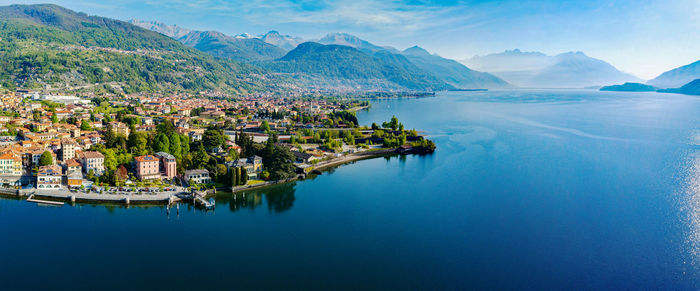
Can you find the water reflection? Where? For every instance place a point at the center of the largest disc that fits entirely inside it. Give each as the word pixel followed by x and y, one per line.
pixel 692 207
pixel 279 198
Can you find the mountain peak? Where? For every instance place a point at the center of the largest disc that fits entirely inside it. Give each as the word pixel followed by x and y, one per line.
pixel 416 51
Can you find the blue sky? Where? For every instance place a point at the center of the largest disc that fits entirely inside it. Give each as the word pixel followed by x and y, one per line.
pixel 642 37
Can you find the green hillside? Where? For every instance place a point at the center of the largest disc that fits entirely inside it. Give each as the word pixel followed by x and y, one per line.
pixel 339 63
pixel 49 45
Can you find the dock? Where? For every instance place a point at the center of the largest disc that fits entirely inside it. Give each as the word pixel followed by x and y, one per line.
pixel 198 198
pixel 31 199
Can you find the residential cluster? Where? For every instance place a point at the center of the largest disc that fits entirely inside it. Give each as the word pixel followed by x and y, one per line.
pixel 53 141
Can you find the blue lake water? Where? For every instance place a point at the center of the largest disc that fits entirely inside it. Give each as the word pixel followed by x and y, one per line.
pixel 527 190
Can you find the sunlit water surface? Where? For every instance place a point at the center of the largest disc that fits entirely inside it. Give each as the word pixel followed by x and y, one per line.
pixel 527 189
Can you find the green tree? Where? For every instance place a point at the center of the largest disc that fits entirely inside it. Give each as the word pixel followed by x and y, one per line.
pixel 166 127
pixel 234 177
pixel 85 125
pixel 265 126
pixel 161 143
pixel 110 161
pixel 138 143
pixel 213 138
pixel 46 159
pixel 200 159
pixel 244 176
pixel 175 146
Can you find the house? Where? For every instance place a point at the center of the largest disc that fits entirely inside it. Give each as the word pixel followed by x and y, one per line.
pixel 119 128
pixel 49 177
pixel 199 176
pixel 253 166
pixel 74 179
pixel 212 114
pixel 147 167
pixel 305 158
pixel 93 161
pixel 168 165
pixel 73 165
pixel 10 164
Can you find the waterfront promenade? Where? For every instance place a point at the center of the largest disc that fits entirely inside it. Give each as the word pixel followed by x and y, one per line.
pixel 154 196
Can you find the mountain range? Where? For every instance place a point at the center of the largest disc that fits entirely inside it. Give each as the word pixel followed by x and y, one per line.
pixel 242 48
pixel 535 69
pixel 677 77
pixel 400 70
pixel 48 45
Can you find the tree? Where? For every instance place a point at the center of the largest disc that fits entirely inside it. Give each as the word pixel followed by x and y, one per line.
pixel 110 161
pixel 109 137
pixel 54 117
pixel 213 138
pixel 85 125
pixel 393 123
pixel 46 159
pixel 138 143
pixel 280 164
pixel 200 159
pixel 175 146
pixel 234 176
pixel 246 144
pixel 244 176
pixel 161 143
pixel 221 172
pixel 265 126
pixel 166 127
pixel 374 126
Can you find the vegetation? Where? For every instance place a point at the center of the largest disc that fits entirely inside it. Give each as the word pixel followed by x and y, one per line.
pixel 343 63
pixel 48 44
pixel 46 159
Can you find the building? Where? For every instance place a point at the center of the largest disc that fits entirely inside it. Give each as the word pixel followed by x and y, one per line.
pixel 74 179
pixel 199 176
pixel 147 167
pixel 119 128
pixel 73 165
pixel 49 177
pixel 253 166
pixel 10 164
pixel 212 114
pixel 93 161
pixel 67 149
pixel 168 165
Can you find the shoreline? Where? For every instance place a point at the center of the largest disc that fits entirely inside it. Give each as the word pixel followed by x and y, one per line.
pixel 328 164
pixel 173 197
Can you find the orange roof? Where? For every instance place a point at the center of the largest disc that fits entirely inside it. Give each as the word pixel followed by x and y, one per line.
pixel 145 159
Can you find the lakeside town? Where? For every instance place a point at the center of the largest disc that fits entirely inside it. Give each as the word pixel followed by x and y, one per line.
pixel 153 147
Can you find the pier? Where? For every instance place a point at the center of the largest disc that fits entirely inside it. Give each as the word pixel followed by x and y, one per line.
pixel 31 199
pixel 198 197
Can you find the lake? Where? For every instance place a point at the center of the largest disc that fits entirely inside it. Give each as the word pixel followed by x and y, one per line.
pixel 528 189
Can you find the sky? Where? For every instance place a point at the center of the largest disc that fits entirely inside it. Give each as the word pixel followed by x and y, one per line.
pixel 641 37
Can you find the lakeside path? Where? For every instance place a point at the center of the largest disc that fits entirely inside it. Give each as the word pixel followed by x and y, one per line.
pixel 123 197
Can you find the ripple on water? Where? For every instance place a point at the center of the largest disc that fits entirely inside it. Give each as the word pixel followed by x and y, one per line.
pixel 691 203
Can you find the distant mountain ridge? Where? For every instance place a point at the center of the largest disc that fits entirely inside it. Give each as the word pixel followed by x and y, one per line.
pixel 451 72
pixel 535 69
pixel 677 77
pixel 241 48
pixel 348 67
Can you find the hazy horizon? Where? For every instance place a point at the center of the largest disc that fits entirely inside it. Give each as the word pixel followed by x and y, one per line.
pixel 644 38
